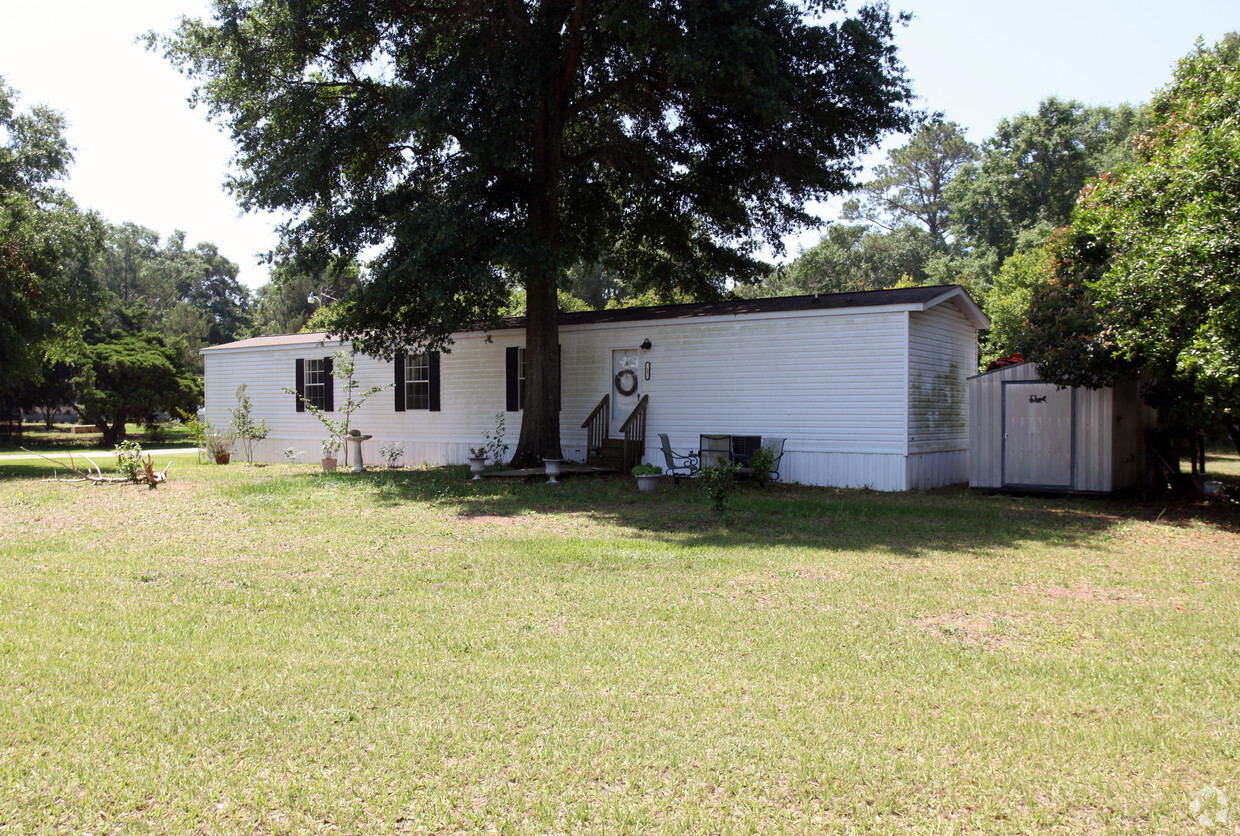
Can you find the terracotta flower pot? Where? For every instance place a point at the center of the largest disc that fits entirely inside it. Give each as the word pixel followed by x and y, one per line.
pixel 223 458
pixel 328 465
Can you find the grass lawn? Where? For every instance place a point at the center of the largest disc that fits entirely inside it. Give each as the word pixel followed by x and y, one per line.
pixel 59 438
pixel 274 650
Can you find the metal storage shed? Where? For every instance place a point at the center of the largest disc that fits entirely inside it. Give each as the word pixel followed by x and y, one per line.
pixel 1029 435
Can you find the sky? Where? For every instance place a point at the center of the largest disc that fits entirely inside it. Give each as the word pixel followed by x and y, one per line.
pixel 144 156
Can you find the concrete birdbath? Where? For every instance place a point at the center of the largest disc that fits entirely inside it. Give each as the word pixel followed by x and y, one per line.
pixel 356 438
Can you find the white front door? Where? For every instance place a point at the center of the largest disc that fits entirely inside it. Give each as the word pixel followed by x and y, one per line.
pixel 625 386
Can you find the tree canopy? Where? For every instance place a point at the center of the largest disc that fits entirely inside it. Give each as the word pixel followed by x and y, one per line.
pixel 1150 268
pixel 284 305
pixel 852 257
pixel 128 375
pixel 1031 169
pixel 46 245
pixel 476 145
pixel 909 188
pixel 191 295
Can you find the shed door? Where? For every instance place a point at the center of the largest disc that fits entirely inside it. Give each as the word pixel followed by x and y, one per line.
pixel 1037 435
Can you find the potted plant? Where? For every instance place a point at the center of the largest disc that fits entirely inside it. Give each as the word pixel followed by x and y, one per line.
pixel 492 447
pixel 218 444
pixel 477 461
pixel 648 476
pixel 331 446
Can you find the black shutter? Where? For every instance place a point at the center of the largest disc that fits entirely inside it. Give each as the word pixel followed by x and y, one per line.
pixel 400 382
pixel 300 385
pixel 433 360
pixel 329 386
pixel 514 391
pixel 559 377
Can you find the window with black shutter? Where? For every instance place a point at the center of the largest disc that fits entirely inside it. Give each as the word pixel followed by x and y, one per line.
pixel 314 384
pixel 417 382
pixel 514 362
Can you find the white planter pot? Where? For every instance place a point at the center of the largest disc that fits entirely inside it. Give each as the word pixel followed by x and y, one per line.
pixel 648 483
pixel 553 469
pixel 477 464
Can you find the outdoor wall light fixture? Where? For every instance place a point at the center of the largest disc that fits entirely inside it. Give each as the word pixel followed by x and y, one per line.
pixel 645 346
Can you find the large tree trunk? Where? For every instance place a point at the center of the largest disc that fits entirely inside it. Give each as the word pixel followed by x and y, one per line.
pixel 540 420
pixel 1233 430
pixel 115 433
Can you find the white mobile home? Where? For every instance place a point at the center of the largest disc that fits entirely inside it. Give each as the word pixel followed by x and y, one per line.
pixel 868 388
pixel 1030 435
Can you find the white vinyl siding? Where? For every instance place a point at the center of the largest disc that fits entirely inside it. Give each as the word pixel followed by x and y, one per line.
pixel 833 382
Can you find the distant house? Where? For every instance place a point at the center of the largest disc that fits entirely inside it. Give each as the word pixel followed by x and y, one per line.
pixel 868 389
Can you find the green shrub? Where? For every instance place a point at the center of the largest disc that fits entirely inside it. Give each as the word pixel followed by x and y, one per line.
pixel 761 461
pixel 718 480
pixel 129 461
pixel 647 469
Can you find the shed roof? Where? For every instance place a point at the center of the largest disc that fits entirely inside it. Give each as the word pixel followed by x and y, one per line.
pixel 905 298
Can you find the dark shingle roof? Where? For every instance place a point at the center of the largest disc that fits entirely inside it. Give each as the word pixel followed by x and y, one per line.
pixel 740 307
pixel 904 296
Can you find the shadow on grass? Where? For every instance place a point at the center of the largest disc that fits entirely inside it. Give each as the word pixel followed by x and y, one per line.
pixel 907 524
pixel 790 516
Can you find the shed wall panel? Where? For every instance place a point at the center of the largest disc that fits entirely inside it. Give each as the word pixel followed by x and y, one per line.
pixel 1093 440
pixel 1128 447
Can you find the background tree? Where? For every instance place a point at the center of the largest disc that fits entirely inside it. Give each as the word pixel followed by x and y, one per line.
pixel 131 375
pixel 482 146
pixel 851 258
pixel 1158 272
pixel 1007 304
pixel 909 188
pixel 283 306
pixel 1031 170
pixel 46 244
pixel 126 267
pixel 190 295
pixel 207 282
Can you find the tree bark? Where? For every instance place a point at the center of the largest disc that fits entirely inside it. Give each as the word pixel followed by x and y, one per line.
pixel 1233 430
pixel 540 421
pixel 115 433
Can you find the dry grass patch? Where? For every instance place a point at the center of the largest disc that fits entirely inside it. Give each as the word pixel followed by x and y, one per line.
pixel 987 630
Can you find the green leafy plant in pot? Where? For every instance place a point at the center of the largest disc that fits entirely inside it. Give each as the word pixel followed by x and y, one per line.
pixel 648 476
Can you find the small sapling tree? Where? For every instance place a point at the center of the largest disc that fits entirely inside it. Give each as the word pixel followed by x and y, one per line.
pixel 245 428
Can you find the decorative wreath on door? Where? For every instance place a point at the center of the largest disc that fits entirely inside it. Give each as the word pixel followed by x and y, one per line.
pixel 626 381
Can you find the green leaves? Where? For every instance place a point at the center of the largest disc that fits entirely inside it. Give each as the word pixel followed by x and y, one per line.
pixel 1155 248
pixel 132 376
pixel 480 146
pixel 46 292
